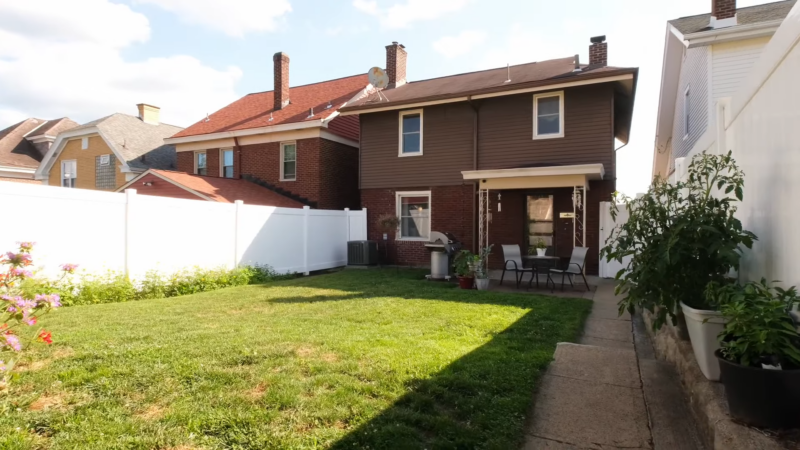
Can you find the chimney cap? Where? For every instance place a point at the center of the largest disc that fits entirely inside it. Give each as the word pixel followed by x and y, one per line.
pixel 395 44
pixel 598 39
pixel 280 55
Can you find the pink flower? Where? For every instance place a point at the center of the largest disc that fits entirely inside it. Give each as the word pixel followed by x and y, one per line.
pixel 2 366
pixel 26 247
pixel 30 321
pixel 13 342
pixel 18 259
pixel 21 273
pixel 52 299
pixel 69 268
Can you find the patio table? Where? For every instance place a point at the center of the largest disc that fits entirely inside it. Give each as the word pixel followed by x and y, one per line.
pixel 545 261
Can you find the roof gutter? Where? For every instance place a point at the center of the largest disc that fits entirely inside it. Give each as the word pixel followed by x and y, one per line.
pixel 319 123
pixel 735 33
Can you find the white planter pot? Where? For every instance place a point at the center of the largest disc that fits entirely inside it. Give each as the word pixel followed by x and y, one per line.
pixel 704 338
pixel 482 284
pixel 540 251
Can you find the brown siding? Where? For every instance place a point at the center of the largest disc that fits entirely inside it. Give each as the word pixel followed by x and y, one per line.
pixel 505 138
pixel 447 132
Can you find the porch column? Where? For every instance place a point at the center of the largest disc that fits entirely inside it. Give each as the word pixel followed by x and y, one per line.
pixel 579 216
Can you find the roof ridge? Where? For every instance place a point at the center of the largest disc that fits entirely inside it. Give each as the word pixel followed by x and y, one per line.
pixel 310 84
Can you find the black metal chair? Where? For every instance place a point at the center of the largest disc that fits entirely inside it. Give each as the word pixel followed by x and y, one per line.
pixel 513 263
pixel 575 267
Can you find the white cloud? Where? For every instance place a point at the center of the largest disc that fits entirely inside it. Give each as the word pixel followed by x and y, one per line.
pixel 522 45
pixel 70 70
pixel 461 44
pixel 401 15
pixel 232 17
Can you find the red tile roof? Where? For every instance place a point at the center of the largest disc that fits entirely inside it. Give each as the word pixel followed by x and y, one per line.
pixel 253 110
pixel 227 190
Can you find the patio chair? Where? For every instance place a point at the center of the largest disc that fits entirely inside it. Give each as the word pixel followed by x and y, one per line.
pixel 575 267
pixel 513 263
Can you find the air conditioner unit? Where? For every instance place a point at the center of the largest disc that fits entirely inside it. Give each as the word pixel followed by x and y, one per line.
pixel 362 253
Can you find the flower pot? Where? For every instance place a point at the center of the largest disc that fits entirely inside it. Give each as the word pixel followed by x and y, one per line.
pixel 761 397
pixel 465 282
pixel 540 251
pixel 704 327
pixel 482 284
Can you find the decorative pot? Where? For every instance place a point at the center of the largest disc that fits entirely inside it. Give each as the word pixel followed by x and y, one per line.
pixel 540 251
pixel 465 282
pixel 704 327
pixel 761 397
pixel 482 284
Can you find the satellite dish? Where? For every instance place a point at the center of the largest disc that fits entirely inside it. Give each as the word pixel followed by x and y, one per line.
pixel 378 78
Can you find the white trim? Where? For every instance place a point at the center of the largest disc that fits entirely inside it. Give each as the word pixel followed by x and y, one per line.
pixel 687 110
pixel 739 32
pixel 195 158
pixel 400 132
pixel 723 23
pixel 17 169
pixel 592 171
pixel 84 142
pixel 222 160
pixel 308 133
pixel 74 175
pixel 325 134
pixel 536 97
pixel 282 162
pixel 41 138
pixel 248 132
pixel 36 128
pixel 149 171
pixel 397 196
pixel 549 87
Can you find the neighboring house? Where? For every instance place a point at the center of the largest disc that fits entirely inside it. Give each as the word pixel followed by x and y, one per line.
pixel 291 140
pixel 23 145
pixel 706 57
pixel 501 156
pixel 168 183
pixel 106 153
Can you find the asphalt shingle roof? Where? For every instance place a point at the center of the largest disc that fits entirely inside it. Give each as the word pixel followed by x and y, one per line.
pixel 15 150
pixel 744 16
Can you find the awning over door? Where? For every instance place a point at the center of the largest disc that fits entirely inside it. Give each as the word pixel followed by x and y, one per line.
pixel 536 177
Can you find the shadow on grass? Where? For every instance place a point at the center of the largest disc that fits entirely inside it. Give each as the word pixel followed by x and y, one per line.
pixel 479 400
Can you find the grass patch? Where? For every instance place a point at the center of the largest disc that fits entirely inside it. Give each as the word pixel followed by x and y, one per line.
pixel 354 359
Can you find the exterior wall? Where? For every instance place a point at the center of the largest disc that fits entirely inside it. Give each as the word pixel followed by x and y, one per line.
pixel 505 139
pixel 185 162
pixel 694 73
pixel 452 210
pixel 338 167
pixel 731 62
pixel 85 160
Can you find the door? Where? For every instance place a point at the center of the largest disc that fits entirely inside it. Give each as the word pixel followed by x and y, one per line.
pixel 609 269
pixel 540 221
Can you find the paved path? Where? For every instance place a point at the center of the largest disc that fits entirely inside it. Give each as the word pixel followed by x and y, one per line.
pixel 609 392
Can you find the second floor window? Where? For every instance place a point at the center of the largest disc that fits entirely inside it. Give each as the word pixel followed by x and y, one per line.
pixel 288 161
pixel 200 167
pixel 227 163
pixel 410 133
pixel 69 173
pixel 548 115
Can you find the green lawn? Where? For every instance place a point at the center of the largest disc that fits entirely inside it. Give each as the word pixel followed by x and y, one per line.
pixel 354 359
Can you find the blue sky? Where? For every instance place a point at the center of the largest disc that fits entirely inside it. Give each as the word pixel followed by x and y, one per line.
pixel 89 58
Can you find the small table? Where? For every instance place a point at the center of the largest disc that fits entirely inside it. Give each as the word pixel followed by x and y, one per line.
pixel 548 261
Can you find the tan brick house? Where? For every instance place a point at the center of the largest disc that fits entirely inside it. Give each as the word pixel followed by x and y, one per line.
pixel 106 153
pixel 501 156
pixel 291 140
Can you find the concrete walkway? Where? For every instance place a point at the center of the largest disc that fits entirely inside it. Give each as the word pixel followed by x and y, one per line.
pixel 609 391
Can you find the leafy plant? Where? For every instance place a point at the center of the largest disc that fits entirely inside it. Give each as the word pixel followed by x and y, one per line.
pixel 481 261
pixel 680 237
pixel 464 263
pixel 388 223
pixel 759 328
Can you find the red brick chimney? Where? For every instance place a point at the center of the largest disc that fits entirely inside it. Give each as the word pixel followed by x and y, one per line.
pixel 281 89
pixel 396 64
pixel 723 13
pixel 598 51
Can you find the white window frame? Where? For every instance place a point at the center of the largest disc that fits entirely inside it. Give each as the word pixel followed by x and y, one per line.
pixel 536 97
pixel 222 161
pixel 400 132
pixel 84 143
pixel 401 194
pixel 107 160
pixel 282 162
pixel 75 175
pixel 686 111
pixel 194 156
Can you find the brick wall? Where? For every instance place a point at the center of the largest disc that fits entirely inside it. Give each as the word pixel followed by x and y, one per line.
pixel 185 162
pixel 264 161
pixel 338 173
pixel 451 211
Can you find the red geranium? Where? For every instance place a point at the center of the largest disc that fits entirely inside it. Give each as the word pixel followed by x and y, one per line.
pixel 46 337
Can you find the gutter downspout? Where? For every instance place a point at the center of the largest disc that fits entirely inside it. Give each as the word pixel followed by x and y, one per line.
pixel 474 167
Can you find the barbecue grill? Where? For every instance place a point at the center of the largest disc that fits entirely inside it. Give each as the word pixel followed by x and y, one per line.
pixel 442 247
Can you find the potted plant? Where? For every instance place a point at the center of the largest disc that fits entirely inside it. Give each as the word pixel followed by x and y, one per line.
pixel 463 265
pixel 759 354
pixel 482 270
pixel 680 238
pixel 540 246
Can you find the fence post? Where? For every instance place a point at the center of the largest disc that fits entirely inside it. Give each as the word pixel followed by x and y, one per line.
pixel 347 219
pixel 306 210
pixel 130 195
pixel 236 222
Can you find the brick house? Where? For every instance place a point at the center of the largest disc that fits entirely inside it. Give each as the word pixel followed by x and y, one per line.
pixel 291 140
pixel 528 150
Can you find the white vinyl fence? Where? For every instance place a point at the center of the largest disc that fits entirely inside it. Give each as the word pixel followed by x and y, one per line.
pixel 137 233
pixel 609 269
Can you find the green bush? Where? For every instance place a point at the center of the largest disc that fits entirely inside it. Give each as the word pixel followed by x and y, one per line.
pixel 115 287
